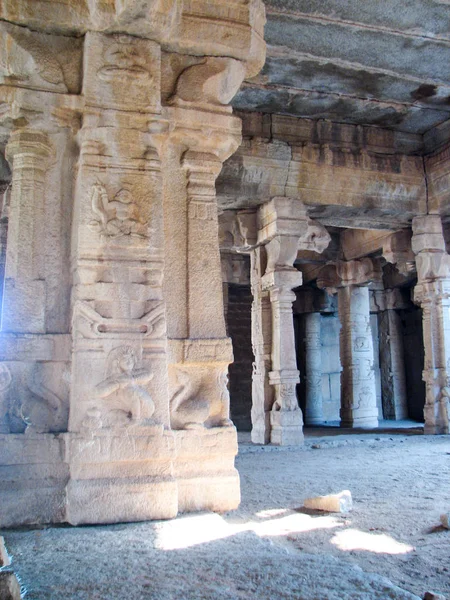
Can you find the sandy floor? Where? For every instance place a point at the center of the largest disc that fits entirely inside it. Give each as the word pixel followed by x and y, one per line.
pixel 271 548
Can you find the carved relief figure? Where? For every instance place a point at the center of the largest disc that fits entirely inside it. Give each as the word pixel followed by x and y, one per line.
pixel 42 411
pixel 118 217
pixel 444 402
pixel 123 391
pixel 365 398
pixel 286 397
pixel 123 59
pixel 361 344
pixel 187 406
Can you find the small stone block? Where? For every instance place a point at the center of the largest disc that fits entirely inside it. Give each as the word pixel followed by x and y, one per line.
pixel 341 502
pixel 445 520
pixel 433 596
pixel 4 558
pixel 9 586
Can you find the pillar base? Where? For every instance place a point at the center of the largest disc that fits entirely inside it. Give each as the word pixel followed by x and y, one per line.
pixel 33 479
pixel 314 421
pixel 359 423
pixel 435 430
pixel 287 428
pixel 204 469
pixel 260 433
pixel 121 476
pixel 116 475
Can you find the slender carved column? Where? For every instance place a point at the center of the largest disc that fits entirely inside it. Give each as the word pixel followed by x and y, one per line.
pixel 393 379
pixel 313 358
pixel 24 290
pixel 262 391
pixel 283 222
pixel 433 294
pixel 284 227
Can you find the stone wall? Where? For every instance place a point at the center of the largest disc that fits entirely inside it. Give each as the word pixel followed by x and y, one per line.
pixel 349 176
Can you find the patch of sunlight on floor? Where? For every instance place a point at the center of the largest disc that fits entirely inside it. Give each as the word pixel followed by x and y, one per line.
pixel 353 539
pixel 271 512
pixel 192 530
pixel 296 523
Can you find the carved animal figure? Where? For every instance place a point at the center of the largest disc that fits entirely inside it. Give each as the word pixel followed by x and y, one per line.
pixel 189 409
pixel 43 411
pixel 125 397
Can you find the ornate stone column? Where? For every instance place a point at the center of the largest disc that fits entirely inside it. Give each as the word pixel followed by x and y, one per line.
pixel 262 391
pixel 358 390
pixel 313 364
pixel 393 378
pixel 28 152
pixel 282 222
pixel 432 292
pixel 135 115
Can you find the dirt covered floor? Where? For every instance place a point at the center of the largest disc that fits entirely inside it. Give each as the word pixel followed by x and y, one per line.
pixel 389 547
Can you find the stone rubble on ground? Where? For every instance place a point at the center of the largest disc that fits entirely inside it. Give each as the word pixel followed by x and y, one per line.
pixel 445 520
pixel 341 502
pixel 433 596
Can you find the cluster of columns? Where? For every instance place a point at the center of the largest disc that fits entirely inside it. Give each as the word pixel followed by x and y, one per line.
pixel 283 230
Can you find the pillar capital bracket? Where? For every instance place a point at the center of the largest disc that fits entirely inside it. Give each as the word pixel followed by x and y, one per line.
pixel 342 274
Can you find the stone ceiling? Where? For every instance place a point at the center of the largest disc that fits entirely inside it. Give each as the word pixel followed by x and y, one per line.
pixel 371 62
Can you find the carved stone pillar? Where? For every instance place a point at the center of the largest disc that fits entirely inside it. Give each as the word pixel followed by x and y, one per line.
pixel 24 289
pixel 119 396
pixel 432 292
pixel 137 123
pixel 262 391
pixel 358 387
pixel 283 222
pixel 393 378
pixel 202 135
pixel 359 402
pixel 313 367
pixel 204 269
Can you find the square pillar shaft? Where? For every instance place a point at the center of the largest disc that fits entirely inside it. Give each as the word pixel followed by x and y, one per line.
pixel 358 391
pixel 313 360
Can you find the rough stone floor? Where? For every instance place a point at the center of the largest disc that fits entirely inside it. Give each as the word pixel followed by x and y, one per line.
pixel 389 547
